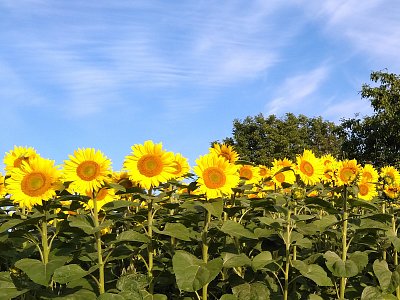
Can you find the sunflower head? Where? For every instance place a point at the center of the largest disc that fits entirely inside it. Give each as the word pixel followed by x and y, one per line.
pixel 87 170
pixel 392 191
pixel 347 172
pixel 250 174
pixel 217 176
pixel 33 182
pixel 102 196
pixel 309 168
pixel 225 151
pixel 2 187
pixel 283 176
pixel 369 174
pixel 390 175
pixel 15 157
pixel 366 190
pixel 149 164
pixel 181 166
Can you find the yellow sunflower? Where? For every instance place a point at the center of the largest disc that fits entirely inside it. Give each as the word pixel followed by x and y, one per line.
pixel 309 168
pixel 33 182
pixel 369 174
pixel 279 176
pixel 181 166
pixel 2 187
pixel 87 170
pixel 250 174
pixel 225 151
pixel 330 164
pixel 15 157
pixel 149 164
pixel 347 171
pixel 392 191
pixel 390 175
pixel 103 196
pixel 366 190
pixel 122 178
pixel 217 176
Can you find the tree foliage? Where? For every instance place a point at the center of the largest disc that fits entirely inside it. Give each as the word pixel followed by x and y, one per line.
pixel 376 138
pixel 261 139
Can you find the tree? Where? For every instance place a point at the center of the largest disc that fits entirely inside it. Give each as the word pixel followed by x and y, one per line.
pixel 260 140
pixel 376 138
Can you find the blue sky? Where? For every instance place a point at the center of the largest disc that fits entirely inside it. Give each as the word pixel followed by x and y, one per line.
pixel 110 74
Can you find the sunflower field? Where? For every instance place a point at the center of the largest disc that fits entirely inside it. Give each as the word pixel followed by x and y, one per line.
pixel 315 228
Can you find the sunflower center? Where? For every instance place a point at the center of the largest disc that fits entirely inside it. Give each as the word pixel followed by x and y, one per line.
pixel 307 168
pixel 280 177
pixel 214 177
pixel 226 155
pixel 263 172
pixel 363 189
pixel 347 174
pixel 88 170
pixel 101 194
pixel 246 173
pixel 150 165
pixel 35 184
pixel 178 168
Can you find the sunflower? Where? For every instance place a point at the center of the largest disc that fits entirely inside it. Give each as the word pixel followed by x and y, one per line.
pixel 15 157
pixel 33 182
pixel 250 174
pixel 347 171
pixel 309 168
pixel 369 174
pixel 280 176
pixel 390 175
pixel 366 190
pixel 392 191
pixel 217 176
pixel 2 187
pixel 149 164
pixel 102 196
pixel 181 166
pixel 87 170
pixel 330 164
pixel 225 151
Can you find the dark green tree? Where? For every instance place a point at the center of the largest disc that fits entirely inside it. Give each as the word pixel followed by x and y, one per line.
pixel 261 139
pixel 376 138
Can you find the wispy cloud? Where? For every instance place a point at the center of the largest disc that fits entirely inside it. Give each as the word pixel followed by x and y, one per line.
pixel 346 109
pixel 89 56
pixel 296 91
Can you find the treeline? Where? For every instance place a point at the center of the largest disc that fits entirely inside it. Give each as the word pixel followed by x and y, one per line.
pixel 369 139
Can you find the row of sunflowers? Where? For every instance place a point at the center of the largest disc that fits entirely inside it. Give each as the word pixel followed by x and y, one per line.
pixel 315 228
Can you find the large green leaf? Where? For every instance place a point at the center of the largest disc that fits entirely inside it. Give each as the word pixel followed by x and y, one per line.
pixel 83 222
pixel 253 291
pixel 360 259
pixel 81 294
pixel 387 280
pixel 228 297
pixel 176 230
pixel 7 288
pixel 132 236
pixel 10 224
pixel 214 207
pixel 374 293
pixel 39 272
pixel 260 260
pixel 314 272
pixel 192 273
pixel 68 273
pixel 338 267
pixel 232 260
pixel 237 230
pixel 109 296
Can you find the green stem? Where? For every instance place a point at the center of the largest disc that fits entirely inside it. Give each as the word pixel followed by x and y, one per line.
pixel 150 249
pixel 344 243
pixel 205 244
pixel 395 254
pixel 384 255
pixel 97 235
pixel 287 263
pixel 45 245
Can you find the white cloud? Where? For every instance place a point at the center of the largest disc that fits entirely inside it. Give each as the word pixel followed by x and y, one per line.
pixel 296 90
pixel 347 109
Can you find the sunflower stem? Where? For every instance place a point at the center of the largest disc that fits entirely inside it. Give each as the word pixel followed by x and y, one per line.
pixel 150 249
pixel 287 252
pixel 384 212
pixel 45 245
pixel 343 280
pixel 97 235
pixel 205 245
